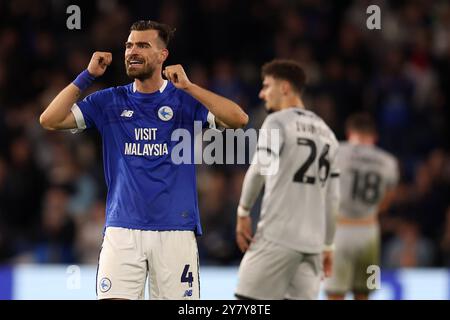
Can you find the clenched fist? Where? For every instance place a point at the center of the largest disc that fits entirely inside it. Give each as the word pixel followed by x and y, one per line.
pixel 99 62
pixel 177 76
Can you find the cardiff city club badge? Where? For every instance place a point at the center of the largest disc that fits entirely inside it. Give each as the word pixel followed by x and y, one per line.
pixel 105 285
pixel 165 113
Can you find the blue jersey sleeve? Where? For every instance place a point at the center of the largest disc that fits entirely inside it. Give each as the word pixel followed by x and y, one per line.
pixel 91 109
pixel 200 112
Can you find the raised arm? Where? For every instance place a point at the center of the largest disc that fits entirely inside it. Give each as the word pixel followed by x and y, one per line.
pixel 228 114
pixel 57 116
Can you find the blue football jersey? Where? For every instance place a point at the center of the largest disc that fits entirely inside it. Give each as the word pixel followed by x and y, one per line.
pixel 146 190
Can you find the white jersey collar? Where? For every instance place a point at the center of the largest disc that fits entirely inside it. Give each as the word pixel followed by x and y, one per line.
pixel 164 85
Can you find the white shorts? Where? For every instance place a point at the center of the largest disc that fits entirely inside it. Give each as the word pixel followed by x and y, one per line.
pixel 168 258
pixel 357 247
pixel 271 271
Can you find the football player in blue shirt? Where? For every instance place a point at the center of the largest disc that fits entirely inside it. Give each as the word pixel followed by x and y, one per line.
pixel 152 213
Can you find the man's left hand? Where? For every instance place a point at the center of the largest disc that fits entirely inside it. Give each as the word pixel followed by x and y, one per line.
pixel 177 76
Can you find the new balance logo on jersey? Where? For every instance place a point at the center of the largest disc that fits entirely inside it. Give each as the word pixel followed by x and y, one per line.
pixel 188 293
pixel 127 113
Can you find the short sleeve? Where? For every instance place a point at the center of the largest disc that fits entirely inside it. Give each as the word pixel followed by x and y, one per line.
pixel 335 165
pixel 88 112
pixel 271 136
pixel 269 147
pixel 394 175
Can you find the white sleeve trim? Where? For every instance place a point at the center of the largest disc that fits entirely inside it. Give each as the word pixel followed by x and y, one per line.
pixel 79 119
pixel 211 118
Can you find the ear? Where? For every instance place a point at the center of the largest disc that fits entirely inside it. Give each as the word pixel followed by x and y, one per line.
pixel 164 53
pixel 285 87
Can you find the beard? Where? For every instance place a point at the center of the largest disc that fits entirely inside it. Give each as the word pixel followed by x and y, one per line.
pixel 142 74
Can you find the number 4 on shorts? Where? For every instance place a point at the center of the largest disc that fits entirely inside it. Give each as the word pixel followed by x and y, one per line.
pixel 186 276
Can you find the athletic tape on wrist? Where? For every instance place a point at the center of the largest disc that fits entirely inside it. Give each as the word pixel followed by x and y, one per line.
pixel 84 80
pixel 241 212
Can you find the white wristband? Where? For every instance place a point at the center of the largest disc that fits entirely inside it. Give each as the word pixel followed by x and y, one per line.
pixel 329 247
pixel 241 212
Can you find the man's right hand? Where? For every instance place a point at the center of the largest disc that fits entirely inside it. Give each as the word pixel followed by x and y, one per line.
pixel 99 61
pixel 244 232
pixel 327 257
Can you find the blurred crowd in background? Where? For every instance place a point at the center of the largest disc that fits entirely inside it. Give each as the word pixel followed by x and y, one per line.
pixel 52 189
